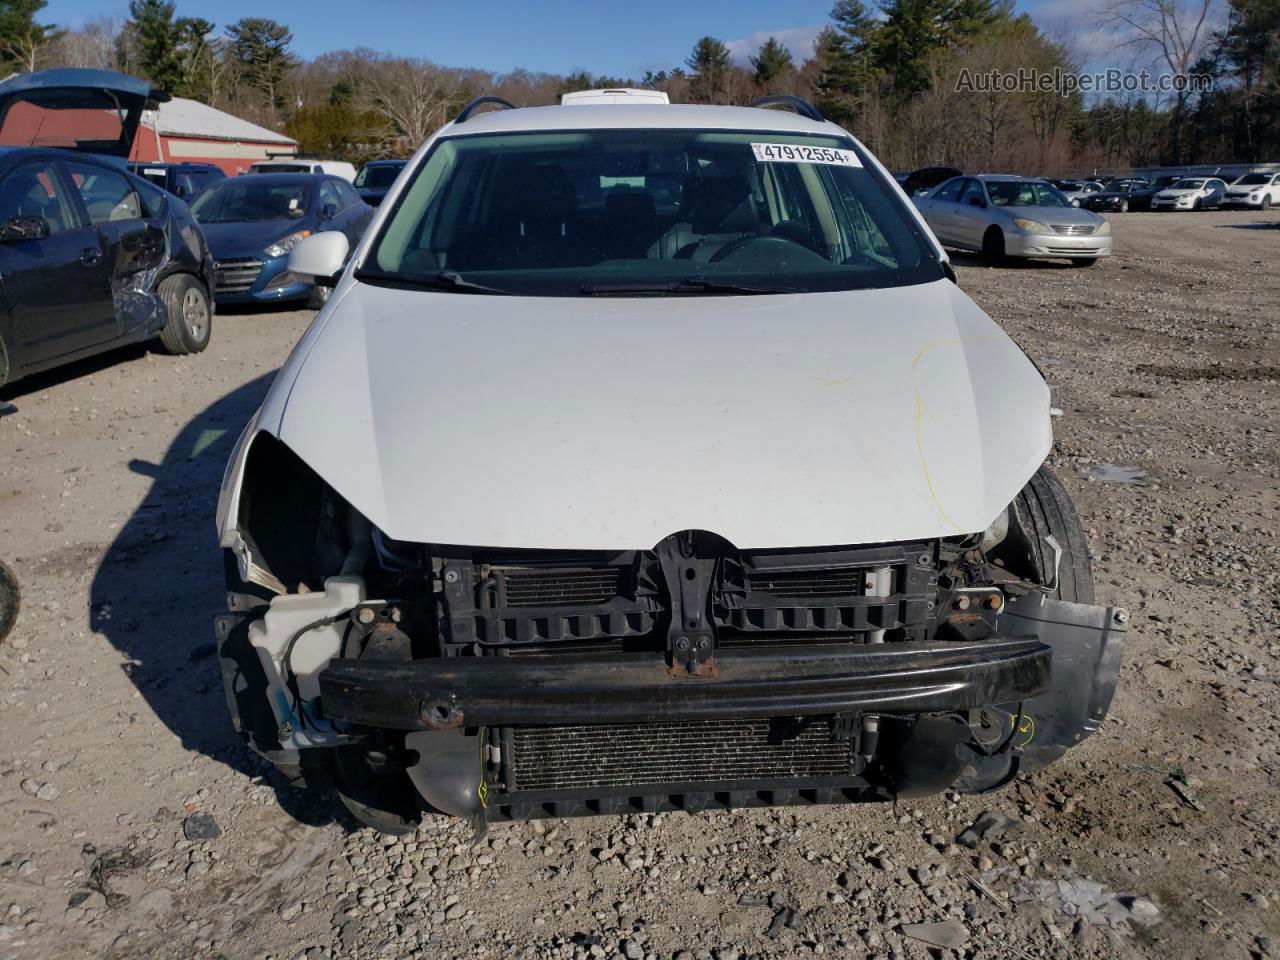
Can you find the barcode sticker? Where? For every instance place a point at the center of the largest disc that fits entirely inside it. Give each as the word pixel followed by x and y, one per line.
pixel 799 153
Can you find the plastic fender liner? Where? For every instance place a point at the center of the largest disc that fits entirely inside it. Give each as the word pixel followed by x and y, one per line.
pixel 1087 643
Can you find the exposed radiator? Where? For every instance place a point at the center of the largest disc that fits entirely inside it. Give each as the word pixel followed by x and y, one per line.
pixel 702 752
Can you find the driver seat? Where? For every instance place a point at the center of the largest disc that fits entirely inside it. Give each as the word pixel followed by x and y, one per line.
pixel 722 210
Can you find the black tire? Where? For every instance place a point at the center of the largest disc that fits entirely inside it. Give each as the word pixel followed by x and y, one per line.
pixel 1124 206
pixel 189 312
pixel 1266 202
pixel 319 296
pixel 1044 509
pixel 1198 205
pixel 1083 261
pixel 993 246
pixel 10 600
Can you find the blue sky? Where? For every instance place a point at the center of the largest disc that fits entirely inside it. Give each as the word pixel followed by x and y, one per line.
pixel 556 36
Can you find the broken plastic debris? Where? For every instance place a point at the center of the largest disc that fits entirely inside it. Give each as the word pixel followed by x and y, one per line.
pixel 945 933
pixel 1112 473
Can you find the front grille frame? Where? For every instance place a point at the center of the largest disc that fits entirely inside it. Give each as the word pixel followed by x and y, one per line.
pixel 236 275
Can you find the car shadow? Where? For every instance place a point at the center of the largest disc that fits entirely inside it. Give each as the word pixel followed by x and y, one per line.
pixel 1261 225
pixel 160 582
pixel 38 382
pixel 975 261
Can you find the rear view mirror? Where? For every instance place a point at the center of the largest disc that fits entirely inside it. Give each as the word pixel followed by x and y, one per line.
pixel 320 257
pixel 24 228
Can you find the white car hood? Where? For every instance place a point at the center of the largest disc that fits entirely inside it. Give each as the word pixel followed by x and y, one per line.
pixel 1172 194
pixel 610 423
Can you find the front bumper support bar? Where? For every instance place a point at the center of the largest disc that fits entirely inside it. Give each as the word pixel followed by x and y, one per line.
pixel 907 677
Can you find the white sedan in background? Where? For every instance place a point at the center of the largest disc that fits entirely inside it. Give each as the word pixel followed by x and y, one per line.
pixel 1259 190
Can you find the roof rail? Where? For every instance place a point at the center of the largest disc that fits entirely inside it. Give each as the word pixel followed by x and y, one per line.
pixel 479 102
pixel 798 104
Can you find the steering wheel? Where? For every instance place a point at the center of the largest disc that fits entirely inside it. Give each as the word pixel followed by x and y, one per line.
pixel 734 246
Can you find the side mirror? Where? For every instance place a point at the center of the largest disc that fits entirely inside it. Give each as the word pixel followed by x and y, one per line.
pixel 977 202
pixel 24 228
pixel 320 257
pixel 328 211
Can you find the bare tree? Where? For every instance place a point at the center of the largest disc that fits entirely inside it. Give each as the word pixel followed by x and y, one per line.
pixel 414 96
pixel 1175 31
pixel 93 45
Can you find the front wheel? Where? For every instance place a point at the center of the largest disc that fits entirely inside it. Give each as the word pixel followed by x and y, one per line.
pixel 993 246
pixel 1124 206
pixel 1266 202
pixel 189 316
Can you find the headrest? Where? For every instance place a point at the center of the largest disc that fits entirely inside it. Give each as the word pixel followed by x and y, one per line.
pixel 720 205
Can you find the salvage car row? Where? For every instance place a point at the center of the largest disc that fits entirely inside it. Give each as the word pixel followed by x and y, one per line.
pixel 96 252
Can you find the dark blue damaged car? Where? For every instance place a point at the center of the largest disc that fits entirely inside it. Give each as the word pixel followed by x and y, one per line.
pixel 91 256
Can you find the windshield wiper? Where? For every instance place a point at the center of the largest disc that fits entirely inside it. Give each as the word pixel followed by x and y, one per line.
pixel 688 285
pixel 444 280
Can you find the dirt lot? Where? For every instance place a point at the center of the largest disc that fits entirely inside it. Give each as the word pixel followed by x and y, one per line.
pixel 1158 838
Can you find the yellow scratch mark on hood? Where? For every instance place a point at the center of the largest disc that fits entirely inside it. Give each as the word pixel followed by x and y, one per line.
pixel 919 420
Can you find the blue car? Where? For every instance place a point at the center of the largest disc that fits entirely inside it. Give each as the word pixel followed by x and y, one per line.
pixel 376 177
pixel 251 224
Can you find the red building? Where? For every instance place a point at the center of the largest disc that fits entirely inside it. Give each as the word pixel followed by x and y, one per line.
pixel 187 131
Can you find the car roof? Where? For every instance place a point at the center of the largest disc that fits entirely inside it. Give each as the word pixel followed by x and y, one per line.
pixel 1007 178
pixel 284 178
pixel 639 116
pixel 386 163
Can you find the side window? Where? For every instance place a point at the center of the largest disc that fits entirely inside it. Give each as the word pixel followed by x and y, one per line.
pixel 35 190
pixel 152 199
pixel 348 193
pixel 329 196
pixel 107 195
pixel 950 191
pixel 972 190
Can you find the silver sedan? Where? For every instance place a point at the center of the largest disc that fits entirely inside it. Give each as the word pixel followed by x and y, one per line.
pixel 1003 216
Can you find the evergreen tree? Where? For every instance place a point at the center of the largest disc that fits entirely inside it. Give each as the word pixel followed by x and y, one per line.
pixel 155 42
pixel 20 36
pixel 260 49
pixel 914 29
pixel 771 61
pixel 709 62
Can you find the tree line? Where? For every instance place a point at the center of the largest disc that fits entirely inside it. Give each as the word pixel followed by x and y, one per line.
pixel 894 75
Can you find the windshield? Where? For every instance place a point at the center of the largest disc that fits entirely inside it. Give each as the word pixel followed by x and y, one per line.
pixel 1025 193
pixel 1252 178
pixel 650 212
pixel 380 177
pixel 1188 185
pixel 243 201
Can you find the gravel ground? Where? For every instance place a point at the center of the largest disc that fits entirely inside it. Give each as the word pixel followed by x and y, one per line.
pixel 135 824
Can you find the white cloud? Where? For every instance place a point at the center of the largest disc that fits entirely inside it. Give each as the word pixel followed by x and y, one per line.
pixel 797 40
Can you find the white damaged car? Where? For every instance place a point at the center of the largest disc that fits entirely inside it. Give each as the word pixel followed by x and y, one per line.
pixel 648 457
